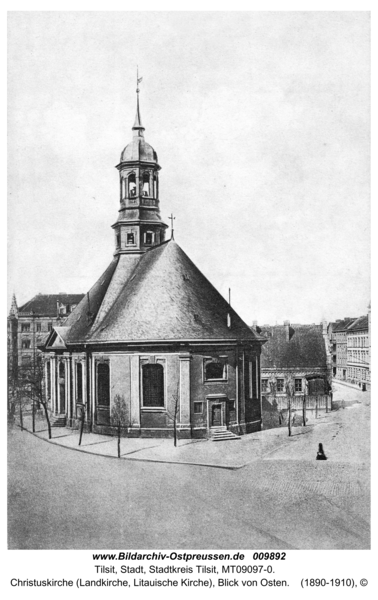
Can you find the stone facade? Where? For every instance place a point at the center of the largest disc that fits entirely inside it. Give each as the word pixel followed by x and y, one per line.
pixel 199 403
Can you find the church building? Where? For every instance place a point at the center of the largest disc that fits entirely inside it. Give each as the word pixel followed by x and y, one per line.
pixel 154 331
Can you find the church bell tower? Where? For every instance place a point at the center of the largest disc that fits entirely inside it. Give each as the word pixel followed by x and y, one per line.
pixel 139 226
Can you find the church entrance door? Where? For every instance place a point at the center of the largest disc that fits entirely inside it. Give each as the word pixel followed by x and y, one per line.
pixel 216 415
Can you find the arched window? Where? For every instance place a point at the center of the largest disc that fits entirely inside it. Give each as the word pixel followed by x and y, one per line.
pixel 155 186
pixel 146 184
pixel 132 185
pixel 215 369
pixel 79 382
pixel 153 385
pixel 103 389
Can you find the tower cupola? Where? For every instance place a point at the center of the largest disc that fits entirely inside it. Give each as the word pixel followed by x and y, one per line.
pixel 139 225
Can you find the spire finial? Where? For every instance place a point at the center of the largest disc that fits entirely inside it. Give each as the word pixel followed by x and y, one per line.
pixel 14 307
pixel 138 121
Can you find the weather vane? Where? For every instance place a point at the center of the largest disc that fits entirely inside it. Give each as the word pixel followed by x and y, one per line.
pixel 139 79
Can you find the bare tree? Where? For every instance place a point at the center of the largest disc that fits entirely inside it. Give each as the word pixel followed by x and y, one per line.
pixel 27 390
pixel 305 393
pixel 272 382
pixel 119 417
pixel 34 376
pixel 290 393
pixel 329 392
pixel 82 419
pixel 17 401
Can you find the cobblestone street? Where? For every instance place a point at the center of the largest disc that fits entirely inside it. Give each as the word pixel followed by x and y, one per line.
pixel 263 491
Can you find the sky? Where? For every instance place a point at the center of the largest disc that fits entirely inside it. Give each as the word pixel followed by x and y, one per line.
pixel 261 122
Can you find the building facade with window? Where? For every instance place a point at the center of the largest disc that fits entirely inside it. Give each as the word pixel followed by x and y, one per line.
pixel 301 351
pixel 340 340
pixel 154 331
pixel 29 324
pixel 358 353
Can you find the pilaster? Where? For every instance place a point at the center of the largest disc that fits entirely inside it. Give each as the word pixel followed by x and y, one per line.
pixel 53 383
pixel 185 408
pixel 67 386
pixel 134 393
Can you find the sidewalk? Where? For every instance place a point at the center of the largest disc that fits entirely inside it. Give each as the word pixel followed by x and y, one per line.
pixel 347 384
pixel 231 454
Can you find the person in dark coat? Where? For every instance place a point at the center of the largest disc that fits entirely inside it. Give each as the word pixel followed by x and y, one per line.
pixel 320 454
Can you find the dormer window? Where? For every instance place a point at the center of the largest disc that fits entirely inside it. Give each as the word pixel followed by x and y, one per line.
pixel 132 185
pixel 149 238
pixel 130 239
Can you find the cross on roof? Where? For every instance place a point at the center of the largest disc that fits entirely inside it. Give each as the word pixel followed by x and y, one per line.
pixel 172 218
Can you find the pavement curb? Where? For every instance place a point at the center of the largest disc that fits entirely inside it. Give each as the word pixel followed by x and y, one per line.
pixel 150 460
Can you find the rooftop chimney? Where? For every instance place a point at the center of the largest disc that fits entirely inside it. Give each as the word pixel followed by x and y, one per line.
pixel 287 330
pixel 254 324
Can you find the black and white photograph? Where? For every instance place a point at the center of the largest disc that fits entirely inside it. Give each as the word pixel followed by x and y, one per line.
pixel 188 295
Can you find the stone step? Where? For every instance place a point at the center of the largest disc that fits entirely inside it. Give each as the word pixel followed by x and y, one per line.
pixel 224 434
pixel 58 421
pixel 226 439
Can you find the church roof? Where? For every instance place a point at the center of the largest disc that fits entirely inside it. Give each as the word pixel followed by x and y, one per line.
pixel 163 298
pixel 83 317
pixel 305 347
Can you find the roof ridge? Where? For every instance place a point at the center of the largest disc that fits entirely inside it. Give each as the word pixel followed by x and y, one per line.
pixel 103 310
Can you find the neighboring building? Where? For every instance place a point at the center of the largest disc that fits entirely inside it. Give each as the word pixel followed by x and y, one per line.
pixel 29 324
pixel 358 352
pixel 339 334
pixel 299 350
pixel 153 330
pixel 332 345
